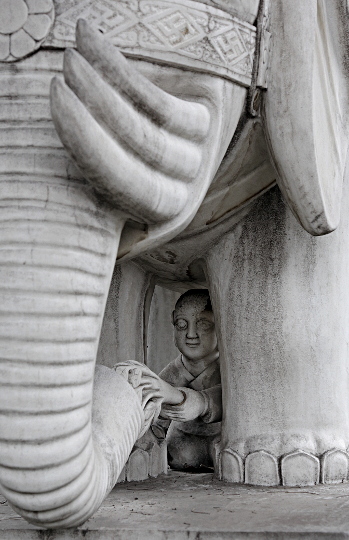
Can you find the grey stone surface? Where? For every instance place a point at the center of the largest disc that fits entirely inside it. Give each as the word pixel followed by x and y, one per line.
pixel 334 467
pixel 150 140
pixel 261 469
pixel 138 465
pixel 197 507
pixel 160 340
pixel 129 288
pixel 232 466
pixel 284 360
pixel 300 469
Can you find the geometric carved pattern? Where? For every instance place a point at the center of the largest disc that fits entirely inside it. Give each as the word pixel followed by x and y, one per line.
pixel 181 32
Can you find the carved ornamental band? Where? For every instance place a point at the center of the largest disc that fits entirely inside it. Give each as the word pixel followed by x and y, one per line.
pixel 181 32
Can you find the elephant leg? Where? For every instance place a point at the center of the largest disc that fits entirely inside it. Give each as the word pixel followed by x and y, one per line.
pixel 281 302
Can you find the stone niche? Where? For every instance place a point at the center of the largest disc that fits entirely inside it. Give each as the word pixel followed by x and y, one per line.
pixel 149 455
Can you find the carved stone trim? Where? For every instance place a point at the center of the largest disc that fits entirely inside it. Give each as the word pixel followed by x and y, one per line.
pixel 232 466
pixel 24 24
pixel 180 32
pixel 300 468
pixel 334 467
pixel 217 458
pixel 261 469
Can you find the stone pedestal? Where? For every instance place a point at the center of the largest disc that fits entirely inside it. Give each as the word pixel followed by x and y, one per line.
pixel 184 506
pixel 281 301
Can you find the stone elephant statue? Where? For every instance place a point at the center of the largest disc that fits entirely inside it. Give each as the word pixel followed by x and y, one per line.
pixel 172 153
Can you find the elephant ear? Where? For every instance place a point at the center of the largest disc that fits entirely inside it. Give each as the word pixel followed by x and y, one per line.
pixel 306 107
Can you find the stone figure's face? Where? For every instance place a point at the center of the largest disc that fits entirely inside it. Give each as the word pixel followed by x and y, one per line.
pixel 195 334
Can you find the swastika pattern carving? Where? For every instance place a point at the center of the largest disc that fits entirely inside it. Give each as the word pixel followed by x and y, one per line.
pixel 181 32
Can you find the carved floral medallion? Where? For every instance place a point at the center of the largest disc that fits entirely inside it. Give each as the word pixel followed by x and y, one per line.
pixel 24 24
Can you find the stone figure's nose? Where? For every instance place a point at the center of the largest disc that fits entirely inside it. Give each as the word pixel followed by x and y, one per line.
pixel 192 330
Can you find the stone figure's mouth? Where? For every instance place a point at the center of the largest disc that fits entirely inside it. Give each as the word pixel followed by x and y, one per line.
pixel 193 344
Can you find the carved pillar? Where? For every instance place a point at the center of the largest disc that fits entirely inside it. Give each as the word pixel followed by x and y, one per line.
pixel 281 302
pixel 124 333
pixel 160 340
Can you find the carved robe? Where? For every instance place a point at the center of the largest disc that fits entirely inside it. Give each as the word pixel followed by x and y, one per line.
pixel 190 443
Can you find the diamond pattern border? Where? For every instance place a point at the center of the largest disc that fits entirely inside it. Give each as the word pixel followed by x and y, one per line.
pixel 180 32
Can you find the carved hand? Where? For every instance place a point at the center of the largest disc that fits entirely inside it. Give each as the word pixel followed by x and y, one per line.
pixel 171 394
pixel 193 406
pixel 150 154
pixel 147 387
pixel 139 145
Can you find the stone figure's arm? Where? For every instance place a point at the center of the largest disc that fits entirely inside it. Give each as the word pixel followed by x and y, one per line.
pixel 206 404
pixel 150 388
pixel 172 377
pixel 171 394
pixel 214 408
pixel 192 405
pixel 180 404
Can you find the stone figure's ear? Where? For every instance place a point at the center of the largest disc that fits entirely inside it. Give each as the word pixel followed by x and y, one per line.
pixel 173 317
pixel 306 107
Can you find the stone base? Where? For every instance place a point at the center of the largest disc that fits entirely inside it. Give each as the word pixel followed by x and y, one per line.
pixel 197 507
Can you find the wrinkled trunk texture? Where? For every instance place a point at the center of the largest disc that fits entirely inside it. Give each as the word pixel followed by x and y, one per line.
pixel 57 252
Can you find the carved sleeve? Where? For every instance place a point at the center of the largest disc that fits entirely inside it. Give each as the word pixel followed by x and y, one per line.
pixel 213 399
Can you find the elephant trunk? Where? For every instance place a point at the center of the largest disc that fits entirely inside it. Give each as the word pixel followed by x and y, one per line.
pixel 58 459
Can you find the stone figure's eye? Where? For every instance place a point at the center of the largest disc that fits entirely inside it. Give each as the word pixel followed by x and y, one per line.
pixel 181 324
pixel 204 325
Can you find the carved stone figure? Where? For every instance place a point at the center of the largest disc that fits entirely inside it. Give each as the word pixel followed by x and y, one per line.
pixel 195 408
pixel 168 144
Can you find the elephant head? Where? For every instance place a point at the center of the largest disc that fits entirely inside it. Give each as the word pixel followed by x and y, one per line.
pixel 148 140
pixel 147 159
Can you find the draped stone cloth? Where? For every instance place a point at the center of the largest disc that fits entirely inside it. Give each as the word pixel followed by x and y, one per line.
pixel 190 443
pixel 209 384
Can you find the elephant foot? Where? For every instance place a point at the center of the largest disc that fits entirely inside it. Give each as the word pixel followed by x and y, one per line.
pixel 148 459
pixel 297 468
